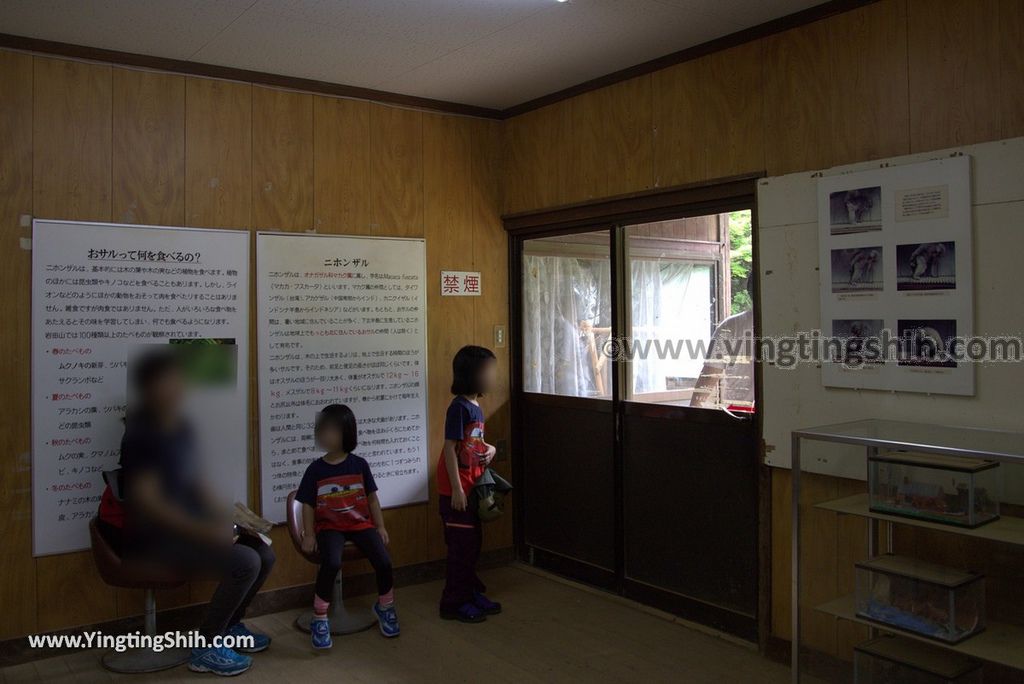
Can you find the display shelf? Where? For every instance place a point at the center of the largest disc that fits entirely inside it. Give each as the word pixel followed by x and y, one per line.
pixel 1007 529
pixel 935 660
pixel 1000 643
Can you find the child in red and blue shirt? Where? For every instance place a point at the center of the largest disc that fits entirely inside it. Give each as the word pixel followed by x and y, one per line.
pixel 339 504
pixel 462 461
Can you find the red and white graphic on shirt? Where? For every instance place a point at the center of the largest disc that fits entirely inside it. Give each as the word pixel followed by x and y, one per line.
pixel 341 504
pixel 472 448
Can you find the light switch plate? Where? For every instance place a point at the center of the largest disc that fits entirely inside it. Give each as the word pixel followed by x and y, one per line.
pixel 499 335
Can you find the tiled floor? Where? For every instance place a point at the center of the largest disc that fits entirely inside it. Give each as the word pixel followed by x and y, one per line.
pixel 551 631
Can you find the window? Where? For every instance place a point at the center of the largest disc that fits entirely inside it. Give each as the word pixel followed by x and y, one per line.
pixel 566 295
pixel 690 307
pixel 687 323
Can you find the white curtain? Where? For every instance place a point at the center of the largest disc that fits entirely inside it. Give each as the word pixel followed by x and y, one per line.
pixel 663 315
pixel 558 294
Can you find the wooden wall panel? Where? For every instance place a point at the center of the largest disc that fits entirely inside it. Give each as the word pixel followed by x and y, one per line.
pixel 797 124
pixel 72 150
pixel 218 153
pixel 782 537
pixel 448 170
pixel 71 140
pixel 610 138
pixel 587 160
pixel 69 592
pixel 680 150
pixel 870 105
pixel 282 160
pixel 535 145
pixel 149 147
pixel 341 166
pixel 490 257
pixel 396 157
pixel 1011 75
pixel 17 567
pixel 629 124
pixel 954 67
pixel 732 104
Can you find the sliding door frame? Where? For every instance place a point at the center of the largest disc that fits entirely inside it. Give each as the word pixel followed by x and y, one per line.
pixel 613 215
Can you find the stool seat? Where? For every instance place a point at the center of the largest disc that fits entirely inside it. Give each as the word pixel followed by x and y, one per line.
pixel 131 573
pixel 136 574
pixel 341 621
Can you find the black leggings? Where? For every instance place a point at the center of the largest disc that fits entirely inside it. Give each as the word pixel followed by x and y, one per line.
pixel 330 543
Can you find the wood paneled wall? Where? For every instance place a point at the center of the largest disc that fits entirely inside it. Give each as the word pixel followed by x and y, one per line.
pixel 95 142
pixel 893 77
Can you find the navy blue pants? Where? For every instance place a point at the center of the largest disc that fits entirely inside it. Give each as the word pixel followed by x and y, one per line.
pixel 331 543
pixel 464 537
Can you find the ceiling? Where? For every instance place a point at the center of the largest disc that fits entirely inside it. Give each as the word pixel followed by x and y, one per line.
pixel 488 53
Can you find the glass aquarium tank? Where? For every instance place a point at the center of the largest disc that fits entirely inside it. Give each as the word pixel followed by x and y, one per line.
pixel 926 599
pixel 893 659
pixel 942 489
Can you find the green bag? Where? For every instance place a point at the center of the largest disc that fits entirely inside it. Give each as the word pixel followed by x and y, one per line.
pixel 488 495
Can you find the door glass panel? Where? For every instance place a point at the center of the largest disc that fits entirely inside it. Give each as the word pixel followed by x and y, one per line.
pixel 690 319
pixel 566 297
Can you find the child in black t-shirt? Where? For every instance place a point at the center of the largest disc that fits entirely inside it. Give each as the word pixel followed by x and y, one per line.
pixel 339 504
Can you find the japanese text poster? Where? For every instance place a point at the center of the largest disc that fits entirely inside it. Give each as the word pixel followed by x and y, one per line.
pixel 342 320
pixel 101 295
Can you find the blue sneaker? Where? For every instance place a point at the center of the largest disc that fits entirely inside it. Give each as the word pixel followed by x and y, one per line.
pixel 486 605
pixel 220 661
pixel 260 642
pixel 467 612
pixel 387 618
pixel 320 633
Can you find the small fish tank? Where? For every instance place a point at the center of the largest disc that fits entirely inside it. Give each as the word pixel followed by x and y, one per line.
pixel 892 659
pixel 942 489
pixel 922 598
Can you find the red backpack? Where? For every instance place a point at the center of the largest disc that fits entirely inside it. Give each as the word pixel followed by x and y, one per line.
pixel 111 503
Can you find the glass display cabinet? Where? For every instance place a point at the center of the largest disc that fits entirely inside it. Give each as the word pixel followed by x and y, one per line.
pixel 914 615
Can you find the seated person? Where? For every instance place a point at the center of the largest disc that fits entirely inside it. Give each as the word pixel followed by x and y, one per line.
pixel 171 517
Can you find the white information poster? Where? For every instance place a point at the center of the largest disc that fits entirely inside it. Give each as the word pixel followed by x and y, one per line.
pixel 101 294
pixel 342 320
pixel 896 279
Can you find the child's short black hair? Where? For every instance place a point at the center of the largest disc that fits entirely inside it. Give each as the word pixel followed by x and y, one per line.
pixel 342 419
pixel 466 367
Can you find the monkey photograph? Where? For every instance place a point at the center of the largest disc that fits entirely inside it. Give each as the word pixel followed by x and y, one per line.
pixel 855 211
pixel 926 266
pixel 858 269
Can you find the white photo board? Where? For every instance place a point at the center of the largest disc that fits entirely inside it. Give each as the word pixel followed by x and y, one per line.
pixel 789 232
pixel 895 255
pixel 101 294
pixel 342 320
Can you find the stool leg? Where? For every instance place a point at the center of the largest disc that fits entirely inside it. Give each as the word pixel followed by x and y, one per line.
pixel 140 660
pixel 342 621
